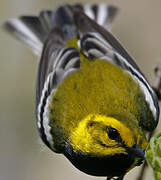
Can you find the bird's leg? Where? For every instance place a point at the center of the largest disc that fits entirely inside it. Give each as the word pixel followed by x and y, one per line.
pixel 157 81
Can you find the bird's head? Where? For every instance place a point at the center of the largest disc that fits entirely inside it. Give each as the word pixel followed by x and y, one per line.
pixel 107 145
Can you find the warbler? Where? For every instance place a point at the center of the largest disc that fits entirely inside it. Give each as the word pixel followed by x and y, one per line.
pixel 93 104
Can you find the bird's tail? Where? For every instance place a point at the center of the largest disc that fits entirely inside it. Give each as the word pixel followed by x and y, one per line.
pixel 33 30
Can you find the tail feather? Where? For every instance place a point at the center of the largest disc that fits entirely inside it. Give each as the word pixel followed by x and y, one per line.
pixel 103 14
pixel 27 29
pixel 46 20
pixel 34 30
pixel 35 25
pixel 63 19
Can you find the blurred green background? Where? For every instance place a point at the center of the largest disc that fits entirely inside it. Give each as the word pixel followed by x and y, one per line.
pixel 22 155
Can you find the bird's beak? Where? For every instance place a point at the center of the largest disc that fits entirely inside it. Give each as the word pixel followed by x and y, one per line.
pixel 136 151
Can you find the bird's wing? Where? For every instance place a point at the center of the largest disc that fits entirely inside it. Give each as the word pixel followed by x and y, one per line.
pixel 57 62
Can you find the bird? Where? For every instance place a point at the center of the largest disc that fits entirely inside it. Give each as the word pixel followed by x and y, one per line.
pixel 93 103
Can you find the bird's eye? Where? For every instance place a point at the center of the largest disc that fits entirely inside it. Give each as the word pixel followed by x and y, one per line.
pixel 113 133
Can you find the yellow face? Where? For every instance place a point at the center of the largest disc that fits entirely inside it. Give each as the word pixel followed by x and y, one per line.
pixel 99 135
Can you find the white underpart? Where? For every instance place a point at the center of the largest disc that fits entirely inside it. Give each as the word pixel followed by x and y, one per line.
pixel 102 14
pixel 25 34
pixel 89 12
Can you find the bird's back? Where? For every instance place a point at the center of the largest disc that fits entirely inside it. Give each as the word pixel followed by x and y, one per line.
pixel 99 87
